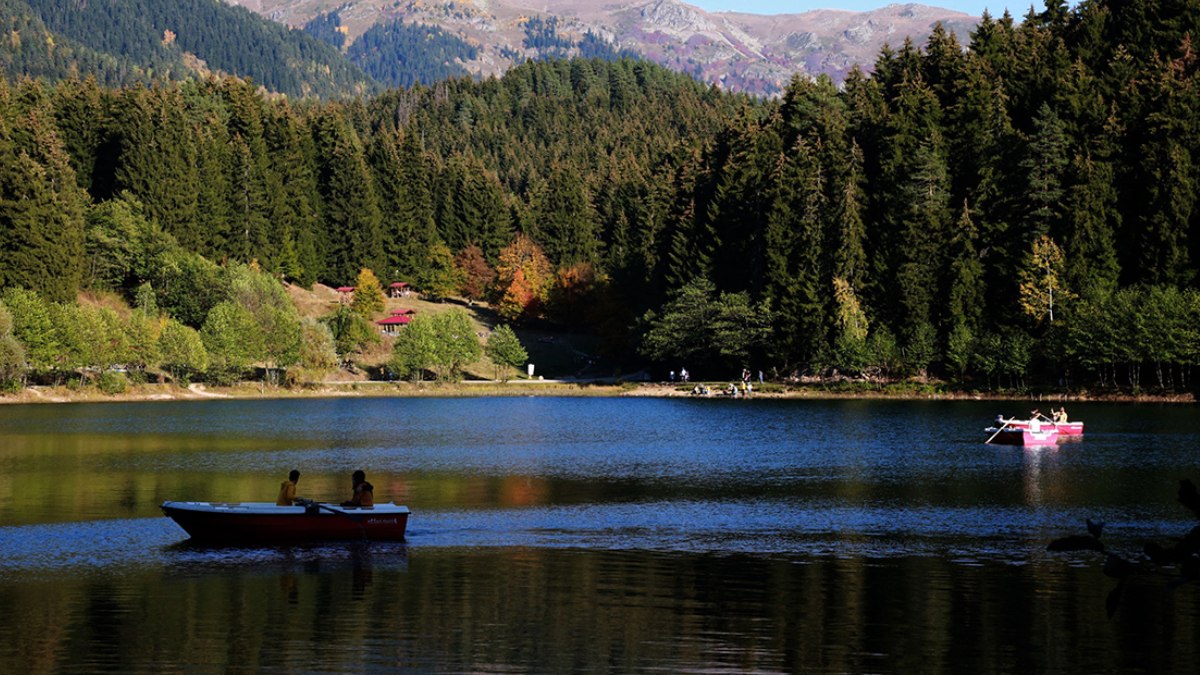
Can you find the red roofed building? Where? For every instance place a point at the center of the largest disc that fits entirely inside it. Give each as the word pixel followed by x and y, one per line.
pixel 399 289
pixel 393 323
pixel 345 293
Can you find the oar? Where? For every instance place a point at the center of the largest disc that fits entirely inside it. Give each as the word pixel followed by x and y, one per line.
pixel 332 509
pixel 997 431
pixel 356 519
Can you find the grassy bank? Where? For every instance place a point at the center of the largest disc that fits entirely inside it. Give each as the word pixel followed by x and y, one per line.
pixel 478 388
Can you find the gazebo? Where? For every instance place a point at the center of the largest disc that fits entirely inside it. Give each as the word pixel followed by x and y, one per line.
pixel 399 289
pixel 392 324
pixel 345 293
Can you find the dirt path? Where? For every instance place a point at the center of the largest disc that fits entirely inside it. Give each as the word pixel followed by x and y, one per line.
pixel 198 389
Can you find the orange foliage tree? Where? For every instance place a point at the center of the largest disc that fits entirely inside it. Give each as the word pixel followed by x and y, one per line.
pixel 523 278
pixel 475 274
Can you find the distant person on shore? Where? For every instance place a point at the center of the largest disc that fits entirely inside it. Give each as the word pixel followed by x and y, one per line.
pixel 287 489
pixel 364 492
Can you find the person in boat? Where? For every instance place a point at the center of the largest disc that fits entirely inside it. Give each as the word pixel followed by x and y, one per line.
pixel 364 492
pixel 287 489
pixel 1060 415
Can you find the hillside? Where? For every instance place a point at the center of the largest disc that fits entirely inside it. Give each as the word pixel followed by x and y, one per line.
pixel 741 52
pixel 127 41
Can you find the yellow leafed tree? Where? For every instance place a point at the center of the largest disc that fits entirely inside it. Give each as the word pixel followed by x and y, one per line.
pixel 1041 286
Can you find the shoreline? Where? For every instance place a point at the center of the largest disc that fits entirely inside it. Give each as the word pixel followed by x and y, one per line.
pixel 562 388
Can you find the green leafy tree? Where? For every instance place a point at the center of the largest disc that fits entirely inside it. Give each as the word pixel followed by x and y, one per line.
pixel 456 344
pixel 318 350
pixel 274 314
pixel 142 331
pixel 699 327
pixel 188 285
pixel 351 332
pixel 233 339
pixel 33 326
pixel 182 351
pixel 504 349
pixel 12 354
pixel 415 349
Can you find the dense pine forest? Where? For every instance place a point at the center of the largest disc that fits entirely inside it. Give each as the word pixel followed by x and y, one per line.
pixel 123 42
pixel 1018 212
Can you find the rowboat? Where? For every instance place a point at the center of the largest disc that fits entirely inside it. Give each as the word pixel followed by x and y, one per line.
pixel 1011 435
pixel 267 522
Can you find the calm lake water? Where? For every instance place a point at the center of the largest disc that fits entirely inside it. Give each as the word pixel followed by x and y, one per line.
pixel 593 535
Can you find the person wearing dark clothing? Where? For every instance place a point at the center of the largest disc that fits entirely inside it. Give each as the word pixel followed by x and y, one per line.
pixel 364 492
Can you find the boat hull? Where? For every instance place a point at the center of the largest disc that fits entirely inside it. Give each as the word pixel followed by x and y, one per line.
pixel 1023 437
pixel 261 522
pixel 1064 428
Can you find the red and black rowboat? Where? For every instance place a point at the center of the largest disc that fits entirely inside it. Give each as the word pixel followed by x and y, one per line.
pixel 244 522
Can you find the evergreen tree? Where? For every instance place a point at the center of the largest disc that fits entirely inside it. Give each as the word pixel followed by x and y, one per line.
pixel 41 211
pixel 351 216
pixel 1046 166
pixel 561 215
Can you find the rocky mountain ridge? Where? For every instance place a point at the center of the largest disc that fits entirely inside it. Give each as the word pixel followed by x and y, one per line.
pixel 739 51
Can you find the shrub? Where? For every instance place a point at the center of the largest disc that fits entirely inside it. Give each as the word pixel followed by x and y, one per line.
pixel 112 383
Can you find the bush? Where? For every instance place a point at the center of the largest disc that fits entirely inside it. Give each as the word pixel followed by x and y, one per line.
pixel 112 383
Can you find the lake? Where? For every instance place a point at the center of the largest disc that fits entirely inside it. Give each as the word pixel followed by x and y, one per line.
pixel 594 535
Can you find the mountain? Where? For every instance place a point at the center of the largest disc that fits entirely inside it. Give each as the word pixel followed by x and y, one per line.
pixel 123 41
pixel 739 51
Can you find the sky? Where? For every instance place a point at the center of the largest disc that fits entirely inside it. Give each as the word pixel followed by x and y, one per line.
pixel 972 7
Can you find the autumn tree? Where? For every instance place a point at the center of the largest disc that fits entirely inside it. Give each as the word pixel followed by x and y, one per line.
pixel 368 294
pixel 475 274
pixel 1041 280
pixel 523 278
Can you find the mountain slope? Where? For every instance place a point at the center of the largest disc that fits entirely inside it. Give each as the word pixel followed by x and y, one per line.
pixel 121 41
pixel 740 51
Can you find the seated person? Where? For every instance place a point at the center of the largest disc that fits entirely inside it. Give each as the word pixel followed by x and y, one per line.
pixel 287 489
pixel 364 492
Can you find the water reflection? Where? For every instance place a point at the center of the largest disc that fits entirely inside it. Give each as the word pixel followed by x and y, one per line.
pixel 573 610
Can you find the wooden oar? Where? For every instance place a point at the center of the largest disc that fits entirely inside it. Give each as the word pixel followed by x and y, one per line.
pixel 1002 426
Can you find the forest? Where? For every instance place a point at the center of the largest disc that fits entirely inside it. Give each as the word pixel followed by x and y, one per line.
pixel 122 42
pixel 1017 212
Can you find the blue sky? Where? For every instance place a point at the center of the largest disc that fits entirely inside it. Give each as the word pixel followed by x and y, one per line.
pixel 973 7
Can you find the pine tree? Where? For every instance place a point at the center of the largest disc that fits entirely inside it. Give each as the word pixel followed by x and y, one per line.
pixel 1046 165
pixel 350 216
pixel 41 211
